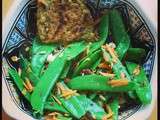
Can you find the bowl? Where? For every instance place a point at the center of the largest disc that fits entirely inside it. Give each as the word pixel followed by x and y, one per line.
pixel 19 32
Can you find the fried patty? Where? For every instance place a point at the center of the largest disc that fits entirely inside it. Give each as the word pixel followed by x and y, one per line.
pixel 64 21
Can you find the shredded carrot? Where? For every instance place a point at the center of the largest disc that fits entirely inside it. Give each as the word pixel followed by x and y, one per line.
pixel 67 97
pixel 66 92
pixel 28 83
pixel 110 118
pixel 136 70
pixel 52 116
pixel 24 91
pixel 107 74
pixel 60 86
pixel 105 58
pixel 108 109
pixel 25 85
pixel 111 51
pixel 119 82
pixel 14 58
pixel 56 99
pixel 102 97
pixel 54 113
pixel 104 65
pixel 19 71
pixel 65 114
pixel 109 115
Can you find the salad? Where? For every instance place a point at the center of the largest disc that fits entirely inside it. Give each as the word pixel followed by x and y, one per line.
pixel 78 78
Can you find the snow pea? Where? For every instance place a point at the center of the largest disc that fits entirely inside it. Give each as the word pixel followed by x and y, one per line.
pixel 143 90
pixel 73 50
pixel 120 36
pixel 98 82
pixel 118 69
pixel 88 62
pixel 135 55
pixel 54 106
pixel 92 96
pixel 39 53
pixel 103 34
pixel 94 66
pixel 96 111
pixel 44 86
pixel 66 69
pixel 73 105
pixel 52 73
pixel 19 82
pixel 79 105
pixel 27 70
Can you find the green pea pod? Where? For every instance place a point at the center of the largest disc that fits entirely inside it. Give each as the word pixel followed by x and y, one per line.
pixel 54 106
pixel 141 77
pixel 74 49
pixel 71 53
pixel 47 81
pixel 88 62
pixel 95 65
pixel 119 33
pixel 73 105
pixel 144 94
pixel 103 34
pixel 66 70
pixel 39 53
pixel 52 73
pixel 95 110
pixel 92 96
pixel 114 107
pixel 143 90
pixel 98 82
pixel 135 55
pixel 27 70
pixel 19 82
pixel 79 105
pixel 118 69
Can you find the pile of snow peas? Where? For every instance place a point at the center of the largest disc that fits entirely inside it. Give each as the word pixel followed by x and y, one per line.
pixel 83 80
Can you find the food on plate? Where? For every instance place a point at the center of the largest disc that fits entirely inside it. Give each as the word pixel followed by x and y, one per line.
pixel 64 21
pixel 82 80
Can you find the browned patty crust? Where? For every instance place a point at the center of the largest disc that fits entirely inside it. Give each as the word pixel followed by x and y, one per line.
pixel 63 21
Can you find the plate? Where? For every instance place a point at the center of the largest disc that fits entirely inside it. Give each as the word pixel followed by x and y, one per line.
pixel 20 31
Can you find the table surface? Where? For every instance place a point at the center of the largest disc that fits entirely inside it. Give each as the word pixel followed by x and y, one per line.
pixel 5 6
